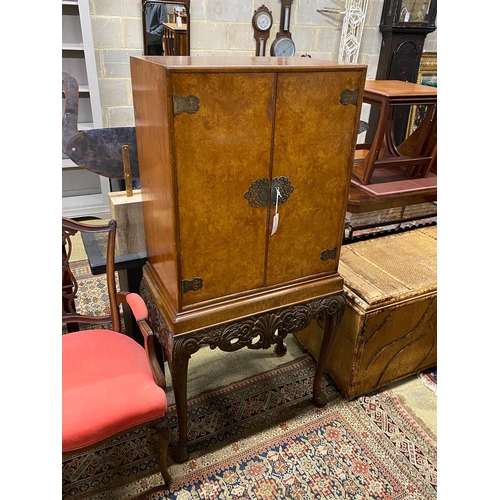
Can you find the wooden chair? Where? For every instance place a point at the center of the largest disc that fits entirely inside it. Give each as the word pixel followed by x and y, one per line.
pixel 111 385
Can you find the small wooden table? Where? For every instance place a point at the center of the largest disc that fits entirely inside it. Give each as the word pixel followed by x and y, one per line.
pixel 417 155
pixel 378 211
pixel 386 175
pixel 175 40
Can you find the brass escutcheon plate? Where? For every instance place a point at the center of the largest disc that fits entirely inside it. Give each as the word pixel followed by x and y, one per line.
pixel 258 192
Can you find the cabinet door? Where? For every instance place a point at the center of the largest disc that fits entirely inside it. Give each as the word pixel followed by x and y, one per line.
pixel 220 150
pixel 313 147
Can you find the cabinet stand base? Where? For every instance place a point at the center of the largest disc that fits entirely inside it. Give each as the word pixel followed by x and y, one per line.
pixel 255 332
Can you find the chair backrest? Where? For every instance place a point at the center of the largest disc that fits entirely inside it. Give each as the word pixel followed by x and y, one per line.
pixel 70 314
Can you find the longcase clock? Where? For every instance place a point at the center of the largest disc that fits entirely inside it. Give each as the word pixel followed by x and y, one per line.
pixel 404 25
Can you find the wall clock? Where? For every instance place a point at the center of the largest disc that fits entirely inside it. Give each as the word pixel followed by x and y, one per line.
pixel 283 45
pixel 262 21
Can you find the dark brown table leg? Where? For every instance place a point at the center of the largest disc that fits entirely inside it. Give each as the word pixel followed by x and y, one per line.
pixel 332 317
pixel 178 366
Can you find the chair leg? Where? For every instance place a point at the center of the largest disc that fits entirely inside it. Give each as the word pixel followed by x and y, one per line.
pixel 164 439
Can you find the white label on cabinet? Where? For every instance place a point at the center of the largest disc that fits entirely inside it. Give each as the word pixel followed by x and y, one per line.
pixel 276 220
pixel 276 217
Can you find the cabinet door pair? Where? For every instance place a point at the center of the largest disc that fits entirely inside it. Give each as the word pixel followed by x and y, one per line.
pixel 254 134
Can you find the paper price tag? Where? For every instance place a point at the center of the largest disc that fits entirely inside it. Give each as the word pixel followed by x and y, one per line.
pixel 276 220
pixel 276 217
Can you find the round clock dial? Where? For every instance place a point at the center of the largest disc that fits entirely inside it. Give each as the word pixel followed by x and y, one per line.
pixel 263 21
pixel 283 47
pixel 414 11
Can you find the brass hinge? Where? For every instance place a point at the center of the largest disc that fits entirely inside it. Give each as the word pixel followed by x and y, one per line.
pixel 189 104
pixel 349 97
pixel 195 284
pixel 329 254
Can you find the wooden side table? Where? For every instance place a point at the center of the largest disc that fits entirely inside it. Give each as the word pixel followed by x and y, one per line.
pixel 416 156
pixel 175 40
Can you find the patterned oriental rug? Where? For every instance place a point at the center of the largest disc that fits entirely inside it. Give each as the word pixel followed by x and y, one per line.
pixel 429 378
pixel 262 438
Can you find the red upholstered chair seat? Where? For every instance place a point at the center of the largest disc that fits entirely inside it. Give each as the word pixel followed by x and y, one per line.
pixel 111 384
pixel 103 372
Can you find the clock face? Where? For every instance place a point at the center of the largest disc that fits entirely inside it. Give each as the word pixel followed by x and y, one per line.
pixel 283 47
pixel 414 11
pixel 263 21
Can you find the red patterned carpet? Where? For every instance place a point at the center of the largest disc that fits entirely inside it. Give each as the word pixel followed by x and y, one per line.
pixel 262 438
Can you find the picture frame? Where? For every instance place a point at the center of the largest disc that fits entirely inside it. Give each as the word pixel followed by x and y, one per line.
pixel 427 75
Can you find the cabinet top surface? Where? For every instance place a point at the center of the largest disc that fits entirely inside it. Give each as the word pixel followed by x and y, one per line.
pixel 398 88
pixel 232 63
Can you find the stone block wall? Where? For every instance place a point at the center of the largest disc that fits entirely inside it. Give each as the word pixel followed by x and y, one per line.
pixel 220 28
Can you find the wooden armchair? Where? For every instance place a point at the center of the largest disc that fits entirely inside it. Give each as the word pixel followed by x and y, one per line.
pixel 110 384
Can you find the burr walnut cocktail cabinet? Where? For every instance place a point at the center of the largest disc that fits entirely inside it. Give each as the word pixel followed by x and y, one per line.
pixel 245 165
